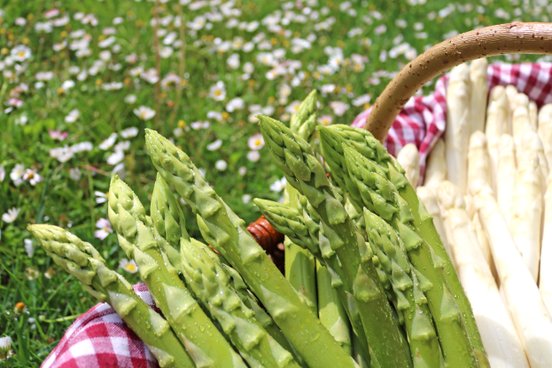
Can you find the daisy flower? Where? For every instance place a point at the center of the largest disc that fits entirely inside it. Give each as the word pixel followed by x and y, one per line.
pixel 29 248
pixel 213 146
pixel 221 165
pixel 144 113
pixel 32 176
pixel 72 116
pixel 218 91
pixel 2 173
pixel 21 53
pixel 5 347
pixel 278 185
pixel 101 197
pixel 11 215
pixel 128 266
pixel 256 142
pixel 16 175
pixel 103 229
pixel 253 156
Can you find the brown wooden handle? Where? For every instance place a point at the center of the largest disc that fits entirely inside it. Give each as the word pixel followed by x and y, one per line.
pixel 510 38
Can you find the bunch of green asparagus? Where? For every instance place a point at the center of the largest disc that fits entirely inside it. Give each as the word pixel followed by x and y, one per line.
pixel 367 282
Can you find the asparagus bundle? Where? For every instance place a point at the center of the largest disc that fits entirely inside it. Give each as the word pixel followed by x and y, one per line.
pixel 383 292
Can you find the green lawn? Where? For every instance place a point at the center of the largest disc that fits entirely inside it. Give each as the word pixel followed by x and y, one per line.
pixel 80 82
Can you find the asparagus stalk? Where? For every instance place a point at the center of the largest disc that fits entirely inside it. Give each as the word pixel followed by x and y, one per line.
pixel 205 344
pixel 532 321
pixel 211 284
pixel 458 125
pixel 330 309
pixel 428 196
pixel 305 120
pixel 526 224
pixel 225 231
pixel 502 344
pixel 252 303
pixel 359 275
pixel 82 261
pixel 411 301
pixel 533 114
pixel 545 272
pixel 378 195
pixel 478 95
pixel 166 213
pixel 333 139
pixel 168 219
pixel 506 177
pixel 478 162
pixel 498 123
pixel 300 267
pixel 409 159
pixel 436 169
pixel 545 130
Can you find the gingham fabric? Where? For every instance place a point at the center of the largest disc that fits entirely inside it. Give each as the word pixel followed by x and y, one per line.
pixel 99 338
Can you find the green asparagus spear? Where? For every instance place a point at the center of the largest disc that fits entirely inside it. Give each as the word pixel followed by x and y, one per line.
pixel 203 341
pixel 305 120
pixel 410 298
pixel 380 196
pixel 84 262
pixel 330 309
pixel 333 138
pixel 300 267
pixel 289 221
pixel 222 228
pixel 209 281
pixel 306 173
pixel 166 213
pixel 168 219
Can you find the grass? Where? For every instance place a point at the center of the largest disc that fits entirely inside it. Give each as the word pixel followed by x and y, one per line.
pixel 108 50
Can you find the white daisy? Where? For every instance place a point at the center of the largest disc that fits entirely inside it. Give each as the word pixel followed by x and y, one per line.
pixel 144 113
pixel 11 215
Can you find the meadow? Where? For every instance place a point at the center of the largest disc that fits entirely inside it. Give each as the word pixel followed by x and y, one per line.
pixel 80 80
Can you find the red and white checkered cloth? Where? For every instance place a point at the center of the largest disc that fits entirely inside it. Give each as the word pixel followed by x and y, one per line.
pixel 100 339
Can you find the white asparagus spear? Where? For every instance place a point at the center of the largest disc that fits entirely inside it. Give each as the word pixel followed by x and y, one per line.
pixel 478 96
pixel 483 242
pixel 520 125
pixel 511 93
pixel 545 274
pixel 498 122
pixel 428 195
pixel 409 158
pixel 436 169
pixel 533 114
pixel 499 335
pixel 530 317
pixel 458 126
pixel 478 162
pixel 545 131
pixel 506 177
pixel 520 99
pixel 528 202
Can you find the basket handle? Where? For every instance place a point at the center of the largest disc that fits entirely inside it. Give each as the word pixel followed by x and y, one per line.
pixel 510 38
